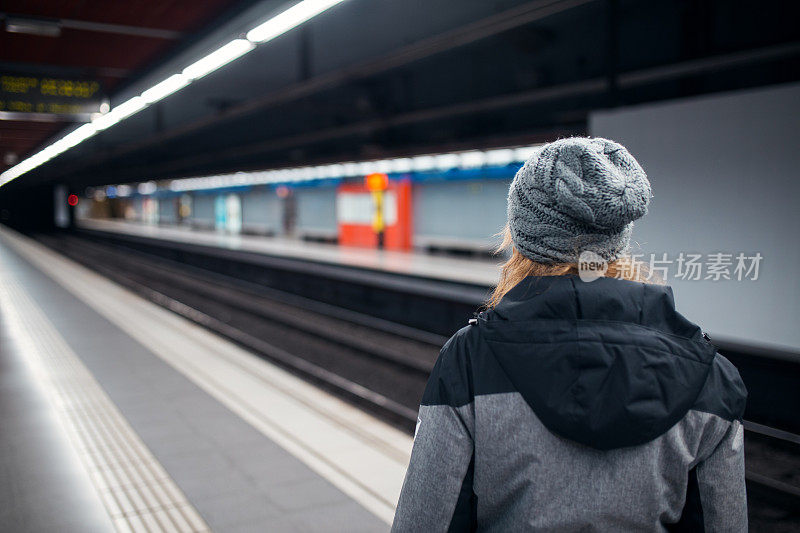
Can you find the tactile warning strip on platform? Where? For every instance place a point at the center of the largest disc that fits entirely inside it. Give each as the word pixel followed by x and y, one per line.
pixel 137 492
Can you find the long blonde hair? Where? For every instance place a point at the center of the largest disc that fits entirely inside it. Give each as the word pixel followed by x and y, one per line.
pixel 518 267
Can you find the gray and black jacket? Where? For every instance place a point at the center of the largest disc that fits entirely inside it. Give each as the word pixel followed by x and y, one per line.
pixel 578 406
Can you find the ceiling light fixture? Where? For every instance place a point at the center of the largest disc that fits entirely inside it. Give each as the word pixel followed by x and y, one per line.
pixel 443 162
pixel 121 112
pixel 289 19
pixel 165 88
pixel 219 58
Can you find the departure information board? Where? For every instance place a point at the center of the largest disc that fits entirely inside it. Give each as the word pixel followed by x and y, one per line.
pixel 26 97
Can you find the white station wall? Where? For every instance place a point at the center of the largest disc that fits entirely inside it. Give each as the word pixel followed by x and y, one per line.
pixel 453 212
pixel 203 209
pixel 316 211
pixel 725 172
pixel 167 211
pixel 261 211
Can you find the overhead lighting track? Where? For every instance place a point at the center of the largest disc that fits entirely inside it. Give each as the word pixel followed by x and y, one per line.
pixel 222 56
pixel 289 19
pixel 444 162
pixel 281 23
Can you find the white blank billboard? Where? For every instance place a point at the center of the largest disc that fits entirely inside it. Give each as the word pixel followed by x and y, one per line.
pixel 725 171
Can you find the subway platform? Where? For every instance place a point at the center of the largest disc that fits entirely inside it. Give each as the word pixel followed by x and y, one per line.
pixel 118 415
pixel 418 264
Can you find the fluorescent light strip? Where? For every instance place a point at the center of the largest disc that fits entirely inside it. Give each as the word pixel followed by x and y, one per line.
pixel 165 88
pixel 119 113
pixel 217 59
pixel 289 19
pixel 443 162
pixel 277 25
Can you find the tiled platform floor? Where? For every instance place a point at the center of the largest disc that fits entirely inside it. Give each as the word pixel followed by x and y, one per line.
pixel 248 446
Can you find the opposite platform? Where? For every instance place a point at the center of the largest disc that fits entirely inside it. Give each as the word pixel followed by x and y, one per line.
pixel 475 271
pixel 191 426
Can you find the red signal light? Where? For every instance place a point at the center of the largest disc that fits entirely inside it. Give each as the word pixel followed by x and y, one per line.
pixel 72 200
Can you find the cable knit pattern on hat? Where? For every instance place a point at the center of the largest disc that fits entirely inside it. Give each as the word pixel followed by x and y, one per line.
pixel 577 194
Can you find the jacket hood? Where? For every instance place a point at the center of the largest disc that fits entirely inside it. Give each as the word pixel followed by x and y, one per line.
pixel 607 363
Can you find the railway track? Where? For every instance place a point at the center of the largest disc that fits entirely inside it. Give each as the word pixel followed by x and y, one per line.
pixel 378 364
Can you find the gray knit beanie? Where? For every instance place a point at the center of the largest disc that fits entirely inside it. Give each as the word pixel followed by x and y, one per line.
pixel 574 195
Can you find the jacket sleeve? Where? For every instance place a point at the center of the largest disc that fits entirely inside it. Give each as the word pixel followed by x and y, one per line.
pixel 437 491
pixel 721 484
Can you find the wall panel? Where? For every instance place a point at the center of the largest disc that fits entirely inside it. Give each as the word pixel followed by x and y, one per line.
pixel 725 176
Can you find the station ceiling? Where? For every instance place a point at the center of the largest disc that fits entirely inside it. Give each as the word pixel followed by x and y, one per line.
pixel 110 42
pixel 380 78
